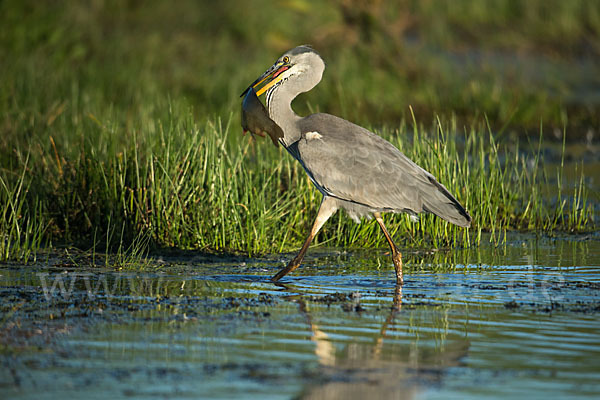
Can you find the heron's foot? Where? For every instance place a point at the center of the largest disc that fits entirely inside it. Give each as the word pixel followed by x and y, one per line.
pixel 292 265
pixel 397 259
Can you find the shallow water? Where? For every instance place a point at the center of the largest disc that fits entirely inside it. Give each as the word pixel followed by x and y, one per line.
pixel 517 320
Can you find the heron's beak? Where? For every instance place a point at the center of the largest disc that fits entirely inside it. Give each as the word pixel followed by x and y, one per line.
pixel 272 76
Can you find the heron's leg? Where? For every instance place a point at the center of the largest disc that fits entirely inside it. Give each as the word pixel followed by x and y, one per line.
pixel 327 209
pixel 396 255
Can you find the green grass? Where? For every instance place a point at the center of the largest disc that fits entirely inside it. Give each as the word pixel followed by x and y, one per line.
pixel 119 123
pixel 22 223
pixel 175 183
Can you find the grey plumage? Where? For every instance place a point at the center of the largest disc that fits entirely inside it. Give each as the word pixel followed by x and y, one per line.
pixel 371 172
pixel 354 168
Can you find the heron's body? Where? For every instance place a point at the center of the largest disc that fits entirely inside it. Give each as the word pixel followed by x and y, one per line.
pixel 352 167
pixel 371 175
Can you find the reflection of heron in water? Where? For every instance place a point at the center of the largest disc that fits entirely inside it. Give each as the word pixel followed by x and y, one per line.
pixel 373 370
pixel 352 167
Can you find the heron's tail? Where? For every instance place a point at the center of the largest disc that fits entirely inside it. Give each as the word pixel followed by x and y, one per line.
pixel 440 202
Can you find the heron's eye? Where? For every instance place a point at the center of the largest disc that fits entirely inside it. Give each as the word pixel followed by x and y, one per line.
pixel 286 59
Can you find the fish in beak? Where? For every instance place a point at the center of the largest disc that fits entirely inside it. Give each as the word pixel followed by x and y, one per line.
pixel 255 117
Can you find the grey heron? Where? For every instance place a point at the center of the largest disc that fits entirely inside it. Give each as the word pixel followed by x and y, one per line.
pixel 352 167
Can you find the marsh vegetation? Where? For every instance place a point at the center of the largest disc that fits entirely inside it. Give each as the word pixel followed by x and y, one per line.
pixel 119 123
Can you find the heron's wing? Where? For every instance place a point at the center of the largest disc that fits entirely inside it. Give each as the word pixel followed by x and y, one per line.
pixel 353 164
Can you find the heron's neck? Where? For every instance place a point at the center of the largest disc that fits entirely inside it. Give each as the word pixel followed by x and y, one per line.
pixel 279 104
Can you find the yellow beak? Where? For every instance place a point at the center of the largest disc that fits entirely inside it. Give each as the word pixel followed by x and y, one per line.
pixel 267 86
pixel 273 73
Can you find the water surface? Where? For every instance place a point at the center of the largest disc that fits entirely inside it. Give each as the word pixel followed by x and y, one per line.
pixel 518 320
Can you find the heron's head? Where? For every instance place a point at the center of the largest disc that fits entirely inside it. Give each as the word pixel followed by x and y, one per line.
pixel 300 68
